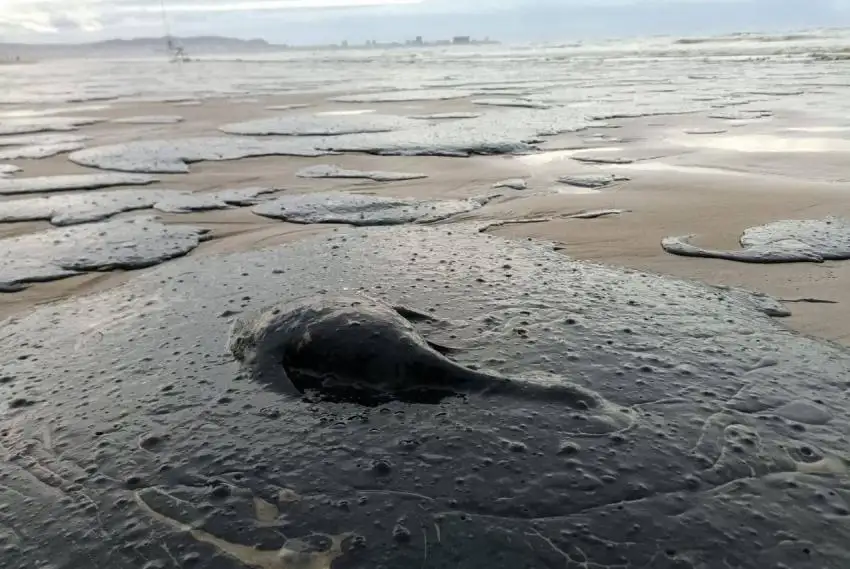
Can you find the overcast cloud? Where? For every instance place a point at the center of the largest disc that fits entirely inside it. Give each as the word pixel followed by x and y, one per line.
pixel 308 21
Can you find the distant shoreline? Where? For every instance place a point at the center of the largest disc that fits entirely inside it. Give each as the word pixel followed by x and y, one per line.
pixel 207 45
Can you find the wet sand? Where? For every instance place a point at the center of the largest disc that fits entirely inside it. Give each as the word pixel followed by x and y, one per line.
pixel 711 185
pixel 718 211
pixel 149 413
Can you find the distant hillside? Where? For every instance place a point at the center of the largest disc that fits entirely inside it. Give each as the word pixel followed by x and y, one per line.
pixel 135 47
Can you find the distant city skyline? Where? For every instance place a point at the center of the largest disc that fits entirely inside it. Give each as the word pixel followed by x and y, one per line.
pixel 356 21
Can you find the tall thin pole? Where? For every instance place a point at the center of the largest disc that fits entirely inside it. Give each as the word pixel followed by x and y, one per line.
pixel 166 27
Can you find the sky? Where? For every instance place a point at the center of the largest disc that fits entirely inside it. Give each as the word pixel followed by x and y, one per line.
pixel 325 21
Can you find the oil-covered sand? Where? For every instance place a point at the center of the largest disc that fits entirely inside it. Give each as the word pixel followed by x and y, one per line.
pixel 714 431
pixel 132 434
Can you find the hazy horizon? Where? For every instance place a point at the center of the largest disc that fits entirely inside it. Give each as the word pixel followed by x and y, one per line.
pixel 331 21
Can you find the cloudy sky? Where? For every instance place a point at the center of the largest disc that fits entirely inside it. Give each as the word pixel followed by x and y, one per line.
pixel 314 21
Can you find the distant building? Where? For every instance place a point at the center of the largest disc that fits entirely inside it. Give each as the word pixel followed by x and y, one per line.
pixel 461 40
pixel 418 40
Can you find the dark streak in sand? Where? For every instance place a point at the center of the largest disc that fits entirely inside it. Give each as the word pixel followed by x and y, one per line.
pixel 332 171
pixel 361 209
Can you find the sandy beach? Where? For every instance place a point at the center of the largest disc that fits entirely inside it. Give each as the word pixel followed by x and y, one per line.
pixel 577 305
pixel 711 185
